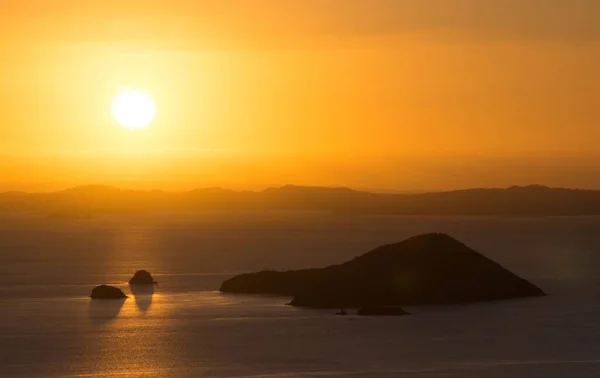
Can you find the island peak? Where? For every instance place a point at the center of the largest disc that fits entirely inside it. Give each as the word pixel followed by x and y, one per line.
pixel 430 269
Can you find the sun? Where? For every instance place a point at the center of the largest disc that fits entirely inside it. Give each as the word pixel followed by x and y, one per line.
pixel 133 109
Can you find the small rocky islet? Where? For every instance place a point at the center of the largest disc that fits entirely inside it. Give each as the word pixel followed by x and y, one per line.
pixel 142 277
pixel 107 292
pixel 431 269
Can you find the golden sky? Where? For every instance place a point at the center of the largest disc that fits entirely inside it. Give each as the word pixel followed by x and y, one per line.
pixel 375 94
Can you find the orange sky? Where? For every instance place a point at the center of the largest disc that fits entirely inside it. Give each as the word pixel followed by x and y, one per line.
pixel 390 94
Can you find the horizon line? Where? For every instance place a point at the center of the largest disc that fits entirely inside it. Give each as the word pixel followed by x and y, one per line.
pixel 284 186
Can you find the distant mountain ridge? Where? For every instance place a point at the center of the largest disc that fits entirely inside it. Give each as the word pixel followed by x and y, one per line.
pixel 516 200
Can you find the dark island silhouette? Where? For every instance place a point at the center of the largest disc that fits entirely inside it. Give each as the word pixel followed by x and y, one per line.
pixel 142 277
pixel 87 201
pixel 432 269
pixel 107 292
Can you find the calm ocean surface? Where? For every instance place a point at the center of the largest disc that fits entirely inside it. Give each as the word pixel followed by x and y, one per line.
pixel 186 328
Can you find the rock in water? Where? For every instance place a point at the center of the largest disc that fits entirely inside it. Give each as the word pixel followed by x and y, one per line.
pixel 107 292
pixel 430 269
pixel 142 277
pixel 382 311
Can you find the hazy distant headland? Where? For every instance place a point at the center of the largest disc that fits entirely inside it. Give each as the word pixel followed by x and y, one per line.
pixel 86 201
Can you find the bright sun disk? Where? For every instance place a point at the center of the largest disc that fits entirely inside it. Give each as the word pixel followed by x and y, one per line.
pixel 133 109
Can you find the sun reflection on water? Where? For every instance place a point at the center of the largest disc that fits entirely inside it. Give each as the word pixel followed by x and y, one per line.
pixel 126 339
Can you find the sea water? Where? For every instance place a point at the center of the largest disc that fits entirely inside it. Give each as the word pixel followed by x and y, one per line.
pixel 184 327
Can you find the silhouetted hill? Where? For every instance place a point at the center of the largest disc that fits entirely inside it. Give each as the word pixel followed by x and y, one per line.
pixel 429 269
pixel 94 199
pixel 311 190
